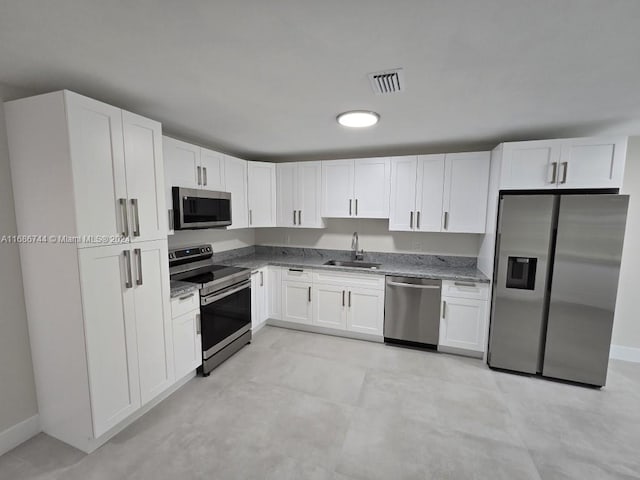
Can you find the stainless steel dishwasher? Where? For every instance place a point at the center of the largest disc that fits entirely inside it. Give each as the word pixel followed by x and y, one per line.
pixel 412 311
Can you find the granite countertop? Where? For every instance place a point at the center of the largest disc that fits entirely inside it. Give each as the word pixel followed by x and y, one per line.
pixel 390 265
pixel 179 288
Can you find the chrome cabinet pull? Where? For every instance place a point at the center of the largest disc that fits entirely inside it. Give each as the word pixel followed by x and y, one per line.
pixel 294 217
pixel 343 298
pixel 444 309
pixel 464 284
pixel 411 220
pixel 138 254
pixel 204 175
pixel 127 258
pixel 309 294
pixel 198 324
pixel 446 220
pixel 349 206
pixel 125 217
pixel 199 176
pixel 554 172
pixel 299 217
pixel 565 166
pixel 261 278
pixel 185 297
pixel 349 298
pixel 356 207
pixel 250 217
pixel 418 219
pixel 296 270
pixel 135 213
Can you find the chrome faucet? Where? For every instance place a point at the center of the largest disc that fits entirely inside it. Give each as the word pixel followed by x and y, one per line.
pixel 355 254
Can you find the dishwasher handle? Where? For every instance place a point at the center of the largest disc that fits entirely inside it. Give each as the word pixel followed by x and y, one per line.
pixel 413 285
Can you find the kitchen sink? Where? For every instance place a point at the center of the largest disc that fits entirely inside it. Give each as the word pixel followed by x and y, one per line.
pixel 356 264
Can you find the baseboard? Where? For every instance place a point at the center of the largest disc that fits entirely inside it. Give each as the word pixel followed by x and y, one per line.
pixel 325 331
pixel 20 433
pixel 628 354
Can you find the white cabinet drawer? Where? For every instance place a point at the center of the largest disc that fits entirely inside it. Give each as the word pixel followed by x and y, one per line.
pixel 465 289
pixel 185 304
pixel 292 274
pixel 349 279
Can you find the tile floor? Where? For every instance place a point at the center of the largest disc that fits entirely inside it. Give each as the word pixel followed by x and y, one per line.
pixel 296 405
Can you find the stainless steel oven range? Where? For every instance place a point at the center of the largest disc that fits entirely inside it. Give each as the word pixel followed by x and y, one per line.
pixel 225 302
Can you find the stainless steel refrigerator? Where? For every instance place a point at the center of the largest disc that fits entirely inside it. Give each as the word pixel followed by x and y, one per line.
pixel 555 284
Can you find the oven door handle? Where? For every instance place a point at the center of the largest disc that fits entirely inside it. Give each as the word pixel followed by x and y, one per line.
pixel 225 293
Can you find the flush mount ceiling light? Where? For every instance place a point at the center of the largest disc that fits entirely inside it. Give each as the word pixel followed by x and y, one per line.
pixel 358 119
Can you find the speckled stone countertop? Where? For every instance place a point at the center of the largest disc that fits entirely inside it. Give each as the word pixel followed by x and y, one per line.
pixel 179 288
pixel 409 265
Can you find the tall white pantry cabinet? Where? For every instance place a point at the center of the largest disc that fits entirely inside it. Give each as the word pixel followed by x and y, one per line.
pixel 98 309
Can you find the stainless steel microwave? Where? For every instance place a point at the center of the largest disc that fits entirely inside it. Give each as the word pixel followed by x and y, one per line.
pixel 194 209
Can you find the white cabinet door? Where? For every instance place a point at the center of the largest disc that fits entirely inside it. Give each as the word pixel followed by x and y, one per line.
pixel 150 267
pixel 145 178
pixel 296 302
pixel 286 185
pixel 259 300
pixel 371 188
pixel 530 165
pixel 466 191
pixel 212 173
pixel 337 188
pixel 403 193
pixel 592 163
pixel 365 311
pixel 309 195
pixel 187 346
pixel 261 188
pixel 429 194
pixel 463 323
pixel 97 157
pixel 274 292
pixel 181 163
pixel 110 333
pixel 235 174
pixel 329 306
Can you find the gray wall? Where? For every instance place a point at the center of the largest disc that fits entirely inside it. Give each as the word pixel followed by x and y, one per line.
pixel 626 326
pixel 17 390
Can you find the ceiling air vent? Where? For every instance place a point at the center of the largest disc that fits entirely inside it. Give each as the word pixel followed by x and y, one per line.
pixel 389 81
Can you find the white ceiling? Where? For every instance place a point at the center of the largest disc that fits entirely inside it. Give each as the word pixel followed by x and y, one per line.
pixel 264 79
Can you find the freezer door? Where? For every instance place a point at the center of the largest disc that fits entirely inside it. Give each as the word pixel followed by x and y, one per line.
pixel 518 312
pixel 584 286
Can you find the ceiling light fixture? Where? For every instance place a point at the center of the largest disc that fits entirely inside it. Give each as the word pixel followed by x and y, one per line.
pixel 358 119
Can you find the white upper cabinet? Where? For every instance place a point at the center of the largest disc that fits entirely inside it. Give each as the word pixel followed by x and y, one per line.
pixel 97 160
pixel 298 195
pixel 261 188
pixel 564 163
pixel 235 175
pixel 356 188
pixel 466 188
pixel 212 173
pixel 145 177
pixel 117 171
pixel 439 193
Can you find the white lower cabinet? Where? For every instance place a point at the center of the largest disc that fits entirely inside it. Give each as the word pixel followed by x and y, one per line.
pixel 365 311
pixel 187 343
pixel 274 301
pixel 329 306
pixel 259 298
pixel 464 316
pixel 296 301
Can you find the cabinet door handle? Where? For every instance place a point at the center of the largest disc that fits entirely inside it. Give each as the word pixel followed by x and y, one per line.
pixel 135 213
pixel 309 294
pixel 299 217
pixel 464 284
pixel 565 168
pixel 349 207
pixel 349 298
pixel 261 278
pixel 125 217
pixel 418 220
pixel 198 324
pixel 186 297
pixel 411 220
pixel 356 207
pixel 343 298
pixel 199 176
pixel 444 309
pixel 446 220
pixel 294 217
pixel 296 270
pixel 554 172
pixel 138 254
pixel 128 283
pixel 250 217
pixel 204 175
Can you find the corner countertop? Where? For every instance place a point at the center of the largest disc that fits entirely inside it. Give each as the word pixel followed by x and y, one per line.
pixel 388 267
